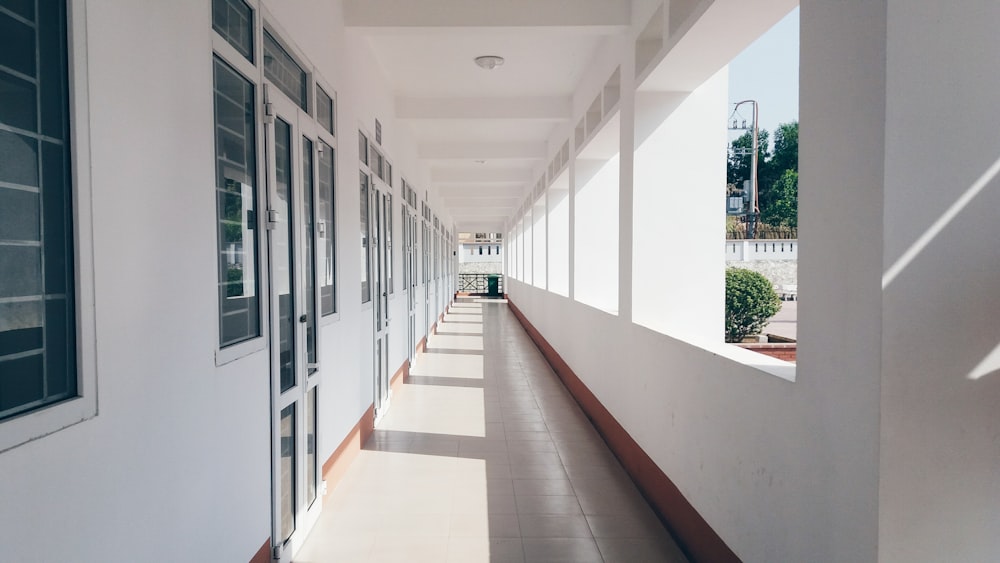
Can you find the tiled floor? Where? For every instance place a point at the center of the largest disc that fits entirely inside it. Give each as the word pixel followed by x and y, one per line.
pixel 485 457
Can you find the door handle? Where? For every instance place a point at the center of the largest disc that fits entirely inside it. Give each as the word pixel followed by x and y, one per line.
pixel 303 318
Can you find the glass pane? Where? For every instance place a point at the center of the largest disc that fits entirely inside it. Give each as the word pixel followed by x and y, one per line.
pixel 23 8
pixel 362 147
pixel 388 241
pixel 281 251
pixel 281 69
pixel 233 20
pixel 37 324
pixel 17 46
pixel 365 255
pixel 20 159
pixel 17 102
pixel 327 232
pixel 324 110
pixel 19 214
pixel 236 203
pixel 287 469
pixel 52 80
pixel 311 446
pixel 309 265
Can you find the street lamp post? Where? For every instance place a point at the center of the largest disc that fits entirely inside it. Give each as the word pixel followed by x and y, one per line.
pixel 754 212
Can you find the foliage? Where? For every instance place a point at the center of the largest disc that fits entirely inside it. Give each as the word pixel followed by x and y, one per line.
pixel 786 148
pixel 772 168
pixel 750 302
pixel 738 168
pixel 783 201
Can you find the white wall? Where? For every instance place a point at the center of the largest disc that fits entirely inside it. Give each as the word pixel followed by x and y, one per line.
pixel 940 448
pixel 679 182
pixel 782 470
pixel 176 465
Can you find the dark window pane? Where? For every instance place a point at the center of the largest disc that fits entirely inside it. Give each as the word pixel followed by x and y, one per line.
pixel 327 235
pixel 57 205
pixel 236 206
pixel 287 469
pixel 324 110
pixel 18 215
pixel 309 266
pixel 281 69
pixel 281 252
pixel 362 147
pixel 233 20
pixel 37 331
pixel 365 254
pixel 19 158
pixel 23 8
pixel 20 271
pixel 20 327
pixel 60 378
pixel 52 76
pixel 17 46
pixel 17 102
pixel 311 446
pixel 21 383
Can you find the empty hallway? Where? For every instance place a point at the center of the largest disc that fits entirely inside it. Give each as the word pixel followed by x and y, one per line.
pixel 485 456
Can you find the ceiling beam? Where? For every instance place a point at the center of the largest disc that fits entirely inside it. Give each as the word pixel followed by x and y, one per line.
pixel 480 175
pixel 598 14
pixel 557 108
pixel 485 201
pixel 483 151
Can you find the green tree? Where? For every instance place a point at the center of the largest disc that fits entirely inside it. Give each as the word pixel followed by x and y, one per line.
pixel 786 148
pixel 782 208
pixel 750 302
pixel 738 168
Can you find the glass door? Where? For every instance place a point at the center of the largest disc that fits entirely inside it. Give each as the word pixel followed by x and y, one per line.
pixel 410 276
pixel 379 208
pixel 291 242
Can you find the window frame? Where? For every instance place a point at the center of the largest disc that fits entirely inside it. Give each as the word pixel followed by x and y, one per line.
pixel 48 419
pixel 253 73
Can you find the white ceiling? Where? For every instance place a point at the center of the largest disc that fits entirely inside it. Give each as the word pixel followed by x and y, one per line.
pixel 483 133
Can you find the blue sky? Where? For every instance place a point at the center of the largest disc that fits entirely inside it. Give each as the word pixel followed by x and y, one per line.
pixel 768 71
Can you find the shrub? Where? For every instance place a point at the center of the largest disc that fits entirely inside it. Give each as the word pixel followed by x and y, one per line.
pixel 750 302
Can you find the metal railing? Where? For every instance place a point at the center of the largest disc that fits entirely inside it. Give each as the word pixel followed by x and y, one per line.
pixel 478 283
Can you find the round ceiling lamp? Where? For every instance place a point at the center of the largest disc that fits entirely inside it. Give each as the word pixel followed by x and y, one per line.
pixel 489 62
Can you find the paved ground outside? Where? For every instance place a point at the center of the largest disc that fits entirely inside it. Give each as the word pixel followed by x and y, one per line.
pixel 784 323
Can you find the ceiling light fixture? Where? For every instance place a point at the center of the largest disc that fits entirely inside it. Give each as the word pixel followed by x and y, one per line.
pixel 489 62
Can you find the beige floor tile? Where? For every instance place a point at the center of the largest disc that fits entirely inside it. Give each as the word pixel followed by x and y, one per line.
pixel 485 457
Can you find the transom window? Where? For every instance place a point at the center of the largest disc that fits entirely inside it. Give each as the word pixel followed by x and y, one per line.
pixel 233 19
pixel 281 69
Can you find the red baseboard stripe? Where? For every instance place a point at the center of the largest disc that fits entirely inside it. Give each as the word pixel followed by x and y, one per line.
pixel 422 345
pixel 263 554
pixel 400 377
pixel 693 534
pixel 340 460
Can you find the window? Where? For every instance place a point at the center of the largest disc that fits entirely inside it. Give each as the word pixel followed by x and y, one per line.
pixel 233 20
pixel 236 193
pixel 388 241
pixel 281 69
pixel 309 263
pixel 366 294
pixel 324 110
pixel 327 232
pixel 362 147
pixel 38 363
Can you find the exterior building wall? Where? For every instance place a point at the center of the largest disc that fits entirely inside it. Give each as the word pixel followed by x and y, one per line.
pixel 939 468
pixel 881 444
